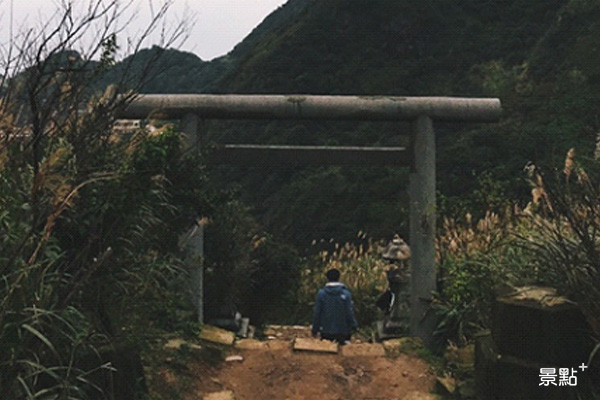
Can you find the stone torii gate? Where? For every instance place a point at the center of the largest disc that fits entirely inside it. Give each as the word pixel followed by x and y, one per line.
pixel 420 157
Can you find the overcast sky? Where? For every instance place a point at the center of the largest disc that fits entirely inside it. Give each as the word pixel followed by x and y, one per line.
pixel 218 24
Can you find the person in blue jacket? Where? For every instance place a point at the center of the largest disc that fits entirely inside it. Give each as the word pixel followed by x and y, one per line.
pixel 334 312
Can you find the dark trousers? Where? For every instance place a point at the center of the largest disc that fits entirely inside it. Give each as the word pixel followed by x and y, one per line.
pixel 340 338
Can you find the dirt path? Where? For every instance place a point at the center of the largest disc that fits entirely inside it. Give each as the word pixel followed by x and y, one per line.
pixel 276 372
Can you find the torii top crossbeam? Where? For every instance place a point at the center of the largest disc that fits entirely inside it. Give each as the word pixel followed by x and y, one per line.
pixel 366 108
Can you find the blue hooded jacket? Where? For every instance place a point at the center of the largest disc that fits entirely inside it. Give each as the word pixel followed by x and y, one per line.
pixel 334 311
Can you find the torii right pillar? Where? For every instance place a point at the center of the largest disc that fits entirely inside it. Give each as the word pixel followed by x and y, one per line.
pixel 422 229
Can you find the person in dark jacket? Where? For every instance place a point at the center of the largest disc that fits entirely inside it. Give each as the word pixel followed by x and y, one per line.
pixel 334 312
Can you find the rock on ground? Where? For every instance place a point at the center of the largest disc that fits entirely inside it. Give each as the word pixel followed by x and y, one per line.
pixel 217 335
pixel 315 345
pixel 225 395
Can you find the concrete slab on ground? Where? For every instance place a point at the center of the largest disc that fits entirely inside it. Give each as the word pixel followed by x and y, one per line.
pixel 315 345
pixel 250 344
pixel 217 335
pixel 224 395
pixel 363 349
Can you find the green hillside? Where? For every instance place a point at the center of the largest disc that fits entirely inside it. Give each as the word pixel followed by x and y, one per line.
pixel 174 71
pixel 540 58
pixel 171 71
pixel 391 47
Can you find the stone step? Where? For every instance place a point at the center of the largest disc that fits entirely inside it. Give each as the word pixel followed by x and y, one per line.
pixel 315 345
pixel 217 335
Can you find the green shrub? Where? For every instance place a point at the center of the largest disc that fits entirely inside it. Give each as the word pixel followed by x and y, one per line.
pixel 564 240
pixel 475 259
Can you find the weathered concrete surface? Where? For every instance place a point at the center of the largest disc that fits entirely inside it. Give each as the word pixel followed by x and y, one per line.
pixel 217 335
pixel 315 345
pixel 250 344
pixel 298 107
pixel 363 350
pixel 422 221
pixel 225 395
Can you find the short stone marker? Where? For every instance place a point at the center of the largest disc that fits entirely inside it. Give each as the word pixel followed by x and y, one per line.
pixel 224 395
pixel 217 335
pixel 363 350
pixel 234 358
pixel 244 328
pixel 250 344
pixel 315 345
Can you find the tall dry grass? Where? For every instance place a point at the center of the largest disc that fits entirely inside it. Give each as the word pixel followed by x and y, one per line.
pixel 475 260
pixel 564 233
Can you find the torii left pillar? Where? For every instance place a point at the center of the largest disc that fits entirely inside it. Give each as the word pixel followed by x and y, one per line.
pixel 192 243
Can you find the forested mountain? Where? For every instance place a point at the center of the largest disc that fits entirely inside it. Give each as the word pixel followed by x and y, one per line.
pixel 541 58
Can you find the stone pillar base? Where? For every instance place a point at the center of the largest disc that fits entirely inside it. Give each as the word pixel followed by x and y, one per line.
pixel 390 330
